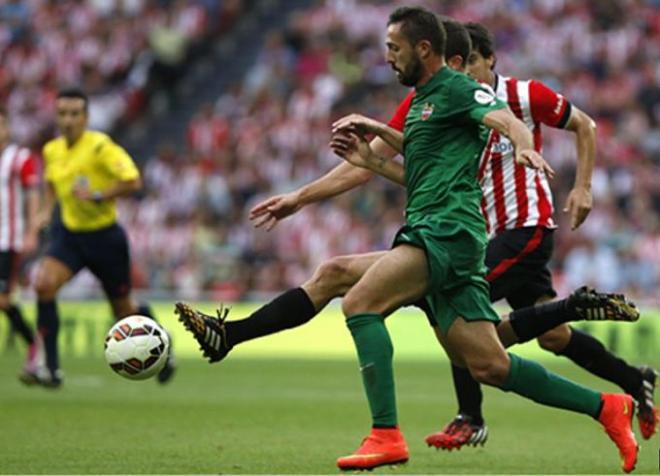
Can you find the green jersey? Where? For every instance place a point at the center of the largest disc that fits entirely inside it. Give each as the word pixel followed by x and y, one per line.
pixel 443 141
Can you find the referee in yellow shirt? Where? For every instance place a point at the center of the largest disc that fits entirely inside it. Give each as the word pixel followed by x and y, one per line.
pixel 85 171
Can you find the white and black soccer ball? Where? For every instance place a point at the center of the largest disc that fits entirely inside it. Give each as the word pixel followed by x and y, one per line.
pixel 137 347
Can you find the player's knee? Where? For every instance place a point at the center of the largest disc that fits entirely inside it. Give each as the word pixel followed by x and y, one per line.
pixel 4 302
pixel 555 340
pixel 332 274
pixel 490 372
pixel 45 288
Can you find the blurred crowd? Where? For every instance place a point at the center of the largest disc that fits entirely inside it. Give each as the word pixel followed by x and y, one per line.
pixel 268 134
pixel 116 50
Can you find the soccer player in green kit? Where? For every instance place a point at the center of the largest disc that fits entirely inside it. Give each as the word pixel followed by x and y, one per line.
pixel 439 253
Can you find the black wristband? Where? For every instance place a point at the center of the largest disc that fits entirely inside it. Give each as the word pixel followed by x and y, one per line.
pixel 97 197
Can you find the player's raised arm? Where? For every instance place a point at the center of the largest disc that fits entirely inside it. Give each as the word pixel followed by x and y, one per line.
pixel 579 200
pixel 268 213
pixel 503 121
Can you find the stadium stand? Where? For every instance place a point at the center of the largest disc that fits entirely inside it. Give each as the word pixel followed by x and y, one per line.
pixel 266 132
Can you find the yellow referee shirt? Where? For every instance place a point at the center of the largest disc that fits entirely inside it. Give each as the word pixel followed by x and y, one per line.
pixel 94 161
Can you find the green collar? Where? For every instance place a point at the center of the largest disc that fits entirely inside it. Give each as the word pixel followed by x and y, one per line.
pixel 436 79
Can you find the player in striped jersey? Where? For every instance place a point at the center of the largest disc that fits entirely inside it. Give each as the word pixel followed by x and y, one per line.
pixel 19 201
pixel 517 204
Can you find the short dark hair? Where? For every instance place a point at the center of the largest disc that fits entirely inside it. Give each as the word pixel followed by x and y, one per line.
pixel 458 39
pixel 482 39
pixel 74 93
pixel 418 24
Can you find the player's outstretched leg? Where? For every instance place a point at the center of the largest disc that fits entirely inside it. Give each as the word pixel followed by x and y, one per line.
pixel 462 430
pixel 584 304
pixel 290 309
pixel 383 446
pixel 647 412
pixel 468 427
pixel 489 364
pixel 216 337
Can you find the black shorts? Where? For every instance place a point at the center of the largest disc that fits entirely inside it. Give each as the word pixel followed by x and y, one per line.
pixel 517 262
pixel 8 268
pixel 104 252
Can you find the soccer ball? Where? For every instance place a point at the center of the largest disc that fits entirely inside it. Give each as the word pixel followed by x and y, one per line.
pixel 137 347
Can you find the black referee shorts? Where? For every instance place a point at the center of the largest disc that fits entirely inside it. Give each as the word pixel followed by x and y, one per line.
pixel 517 262
pixel 104 252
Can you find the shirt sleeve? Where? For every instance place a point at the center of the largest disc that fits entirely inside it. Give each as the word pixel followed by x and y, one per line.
pixel 398 120
pixel 117 161
pixel 473 100
pixel 548 107
pixel 29 171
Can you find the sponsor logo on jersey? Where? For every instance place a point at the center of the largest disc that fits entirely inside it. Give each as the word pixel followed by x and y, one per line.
pixel 484 97
pixel 504 146
pixel 427 110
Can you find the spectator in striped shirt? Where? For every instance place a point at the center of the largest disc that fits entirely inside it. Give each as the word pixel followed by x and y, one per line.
pixel 19 201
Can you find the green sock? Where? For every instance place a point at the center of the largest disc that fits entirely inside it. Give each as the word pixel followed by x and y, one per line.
pixel 374 349
pixel 531 380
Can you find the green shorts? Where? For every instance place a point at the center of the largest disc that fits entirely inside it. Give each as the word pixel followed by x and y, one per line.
pixel 457 274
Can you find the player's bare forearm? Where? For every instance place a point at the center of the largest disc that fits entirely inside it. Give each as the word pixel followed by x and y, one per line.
pixel 123 188
pixel 392 137
pixel 382 163
pixel 584 128
pixel 32 209
pixel 389 169
pixel 347 176
pixel 580 201
pixel 45 211
pixel 342 178
pixel 361 125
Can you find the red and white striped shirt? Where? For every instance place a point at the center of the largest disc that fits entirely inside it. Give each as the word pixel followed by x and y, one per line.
pixel 18 171
pixel 514 196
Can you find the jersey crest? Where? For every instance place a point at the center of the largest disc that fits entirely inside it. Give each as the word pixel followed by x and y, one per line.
pixel 427 110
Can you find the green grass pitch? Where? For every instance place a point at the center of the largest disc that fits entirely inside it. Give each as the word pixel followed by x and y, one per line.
pixel 289 404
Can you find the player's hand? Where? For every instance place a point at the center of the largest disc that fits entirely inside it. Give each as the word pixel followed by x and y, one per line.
pixel 269 212
pixel 357 124
pixel 578 204
pixel 531 158
pixel 42 220
pixel 30 242
pixel 353 149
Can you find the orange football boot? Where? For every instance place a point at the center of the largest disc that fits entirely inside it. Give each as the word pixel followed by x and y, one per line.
pixel 616 416
pixel 382 446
